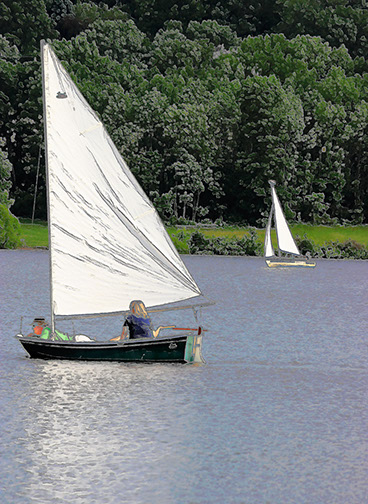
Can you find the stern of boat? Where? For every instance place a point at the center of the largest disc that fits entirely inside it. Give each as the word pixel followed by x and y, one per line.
pixel 193 350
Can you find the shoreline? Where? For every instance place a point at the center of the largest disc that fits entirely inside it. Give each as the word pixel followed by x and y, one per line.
pixel 315 241
pixel 40 248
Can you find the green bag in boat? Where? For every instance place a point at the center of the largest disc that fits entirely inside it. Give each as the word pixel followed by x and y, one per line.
pixel 46 333
pixel 58 336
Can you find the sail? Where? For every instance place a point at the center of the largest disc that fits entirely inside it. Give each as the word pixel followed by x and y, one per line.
pixel 108 245
pixel 268 248
pixel 285 239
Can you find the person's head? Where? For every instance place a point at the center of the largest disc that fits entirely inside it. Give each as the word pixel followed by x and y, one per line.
pixel 38 324
pixel 138 309
pixel 39 321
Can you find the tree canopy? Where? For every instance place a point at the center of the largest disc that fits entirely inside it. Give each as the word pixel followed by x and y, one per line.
pixel 205 100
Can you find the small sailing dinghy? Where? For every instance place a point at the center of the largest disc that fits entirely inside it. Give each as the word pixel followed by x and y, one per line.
pixel 107 244
pixel 285 239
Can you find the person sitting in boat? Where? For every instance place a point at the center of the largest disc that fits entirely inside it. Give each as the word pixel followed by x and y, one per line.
pixel 38 324
pixel 138 324
pixel 42 330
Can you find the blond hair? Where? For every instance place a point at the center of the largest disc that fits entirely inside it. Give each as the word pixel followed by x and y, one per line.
pixel 138 309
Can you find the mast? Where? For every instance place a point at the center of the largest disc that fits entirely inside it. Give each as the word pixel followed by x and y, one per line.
pixel 42 44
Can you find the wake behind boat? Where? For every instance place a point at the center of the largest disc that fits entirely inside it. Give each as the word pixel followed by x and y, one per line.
pixel 107 243
pixel 285 239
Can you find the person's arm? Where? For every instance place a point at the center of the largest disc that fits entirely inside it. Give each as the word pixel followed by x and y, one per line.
pixel 124 334
pixel 156 331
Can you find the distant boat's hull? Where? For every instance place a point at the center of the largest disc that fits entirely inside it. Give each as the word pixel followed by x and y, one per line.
pixel 283 262
pixel 181 349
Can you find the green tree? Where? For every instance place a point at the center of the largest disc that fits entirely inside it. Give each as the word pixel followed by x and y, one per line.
pixel 25 24
pixel 270 130
pixel 338 22
pixel 9 68
pixel 5 170
pixel 22 126
pixel 9 225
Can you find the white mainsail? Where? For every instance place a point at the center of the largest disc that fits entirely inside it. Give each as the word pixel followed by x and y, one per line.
pixel 285 239
pixel 107 245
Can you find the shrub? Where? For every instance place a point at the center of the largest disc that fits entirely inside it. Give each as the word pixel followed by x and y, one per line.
pixel 9 229
pixel 247 245
pixel 349 249
pixel 307 246
pixel 179 242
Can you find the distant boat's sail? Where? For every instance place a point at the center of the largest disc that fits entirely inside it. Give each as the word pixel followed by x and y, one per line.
pixel 268 248
pixel 285 239
pixel 107 243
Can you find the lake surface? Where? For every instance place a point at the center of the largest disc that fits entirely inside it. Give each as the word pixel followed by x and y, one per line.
pixel 277 415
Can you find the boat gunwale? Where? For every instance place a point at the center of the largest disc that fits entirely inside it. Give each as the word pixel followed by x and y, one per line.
pixel 101 344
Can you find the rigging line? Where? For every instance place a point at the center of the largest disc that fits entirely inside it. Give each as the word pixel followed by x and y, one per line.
pixel 36 184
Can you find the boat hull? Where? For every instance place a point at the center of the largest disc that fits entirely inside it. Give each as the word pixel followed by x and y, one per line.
pixel 290 263
pixel 180 349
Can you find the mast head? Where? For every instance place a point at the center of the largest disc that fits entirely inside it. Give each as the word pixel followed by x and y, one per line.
pixel 272 183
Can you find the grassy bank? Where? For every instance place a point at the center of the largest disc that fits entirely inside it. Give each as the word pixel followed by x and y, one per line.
pixel 34 235
pixel 319 234
pixel 321 237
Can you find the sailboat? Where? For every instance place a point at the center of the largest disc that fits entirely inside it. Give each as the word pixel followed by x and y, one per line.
pixel 107 244
pixel 285 239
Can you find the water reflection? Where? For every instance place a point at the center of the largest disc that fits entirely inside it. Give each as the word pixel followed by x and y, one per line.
pixel 83 420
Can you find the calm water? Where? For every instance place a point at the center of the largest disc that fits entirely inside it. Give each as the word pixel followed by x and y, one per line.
pixel 278 414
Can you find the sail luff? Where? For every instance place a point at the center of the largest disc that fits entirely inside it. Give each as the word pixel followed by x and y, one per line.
pixel 107 242
pixel 285 239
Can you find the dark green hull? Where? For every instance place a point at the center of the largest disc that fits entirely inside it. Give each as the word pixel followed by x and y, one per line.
pixel 181 349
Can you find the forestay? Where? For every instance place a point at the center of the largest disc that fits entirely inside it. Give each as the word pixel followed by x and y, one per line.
pixel 285 239
pixel 107 243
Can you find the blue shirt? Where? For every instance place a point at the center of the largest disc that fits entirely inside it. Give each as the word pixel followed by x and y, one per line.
pixel 138 327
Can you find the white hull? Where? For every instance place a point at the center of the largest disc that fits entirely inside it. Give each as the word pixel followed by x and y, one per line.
pixel 289 263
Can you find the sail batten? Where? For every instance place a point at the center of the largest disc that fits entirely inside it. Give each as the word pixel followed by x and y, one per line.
pixel 107 242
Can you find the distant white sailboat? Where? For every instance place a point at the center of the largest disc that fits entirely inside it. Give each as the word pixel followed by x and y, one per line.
pixel 285 239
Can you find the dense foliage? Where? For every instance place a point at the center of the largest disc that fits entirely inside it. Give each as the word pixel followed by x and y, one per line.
pixel 206 100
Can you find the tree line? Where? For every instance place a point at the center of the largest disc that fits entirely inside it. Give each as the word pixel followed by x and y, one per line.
pixel 206 101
